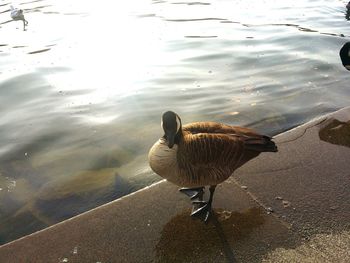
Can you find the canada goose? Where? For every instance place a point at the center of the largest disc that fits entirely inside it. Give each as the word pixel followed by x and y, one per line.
pixel 203 154
pixel 345 55
pixel 17 14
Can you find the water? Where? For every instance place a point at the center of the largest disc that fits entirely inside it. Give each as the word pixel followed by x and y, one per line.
pixel 83 88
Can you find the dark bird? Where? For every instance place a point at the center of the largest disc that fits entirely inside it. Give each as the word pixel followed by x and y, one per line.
pixel 344 54
pixel 203 154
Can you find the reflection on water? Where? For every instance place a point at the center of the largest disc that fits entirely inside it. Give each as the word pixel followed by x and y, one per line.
pixel 184 239
pixel 335 132
pixel 82 89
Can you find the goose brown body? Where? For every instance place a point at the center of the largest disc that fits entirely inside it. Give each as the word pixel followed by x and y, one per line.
pixel 206 153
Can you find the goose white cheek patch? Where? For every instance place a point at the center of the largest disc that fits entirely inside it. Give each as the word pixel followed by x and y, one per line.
pixel 178 124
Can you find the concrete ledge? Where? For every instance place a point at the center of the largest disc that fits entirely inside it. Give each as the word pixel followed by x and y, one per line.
pixel 306 185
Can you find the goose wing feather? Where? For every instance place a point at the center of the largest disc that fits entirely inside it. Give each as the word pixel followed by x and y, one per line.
pixel 213 144
pixel 252 140
pixel 218 128
pixel 211 150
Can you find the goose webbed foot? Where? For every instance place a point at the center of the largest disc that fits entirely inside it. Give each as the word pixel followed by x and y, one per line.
pixel 203 210
pixel 196 194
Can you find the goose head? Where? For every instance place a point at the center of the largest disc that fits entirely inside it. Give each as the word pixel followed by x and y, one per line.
pixel 345 55
pixel 171 124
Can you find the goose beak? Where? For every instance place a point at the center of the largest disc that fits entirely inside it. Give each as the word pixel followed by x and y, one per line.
pixel 170 137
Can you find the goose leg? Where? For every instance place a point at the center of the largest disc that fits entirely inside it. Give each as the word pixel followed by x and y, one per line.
pixel 204 211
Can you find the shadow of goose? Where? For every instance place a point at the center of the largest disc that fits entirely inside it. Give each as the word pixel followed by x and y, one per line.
pixel 335 132
pixel 184 239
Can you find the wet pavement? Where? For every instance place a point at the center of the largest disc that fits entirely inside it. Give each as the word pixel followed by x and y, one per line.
pixel 286 207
